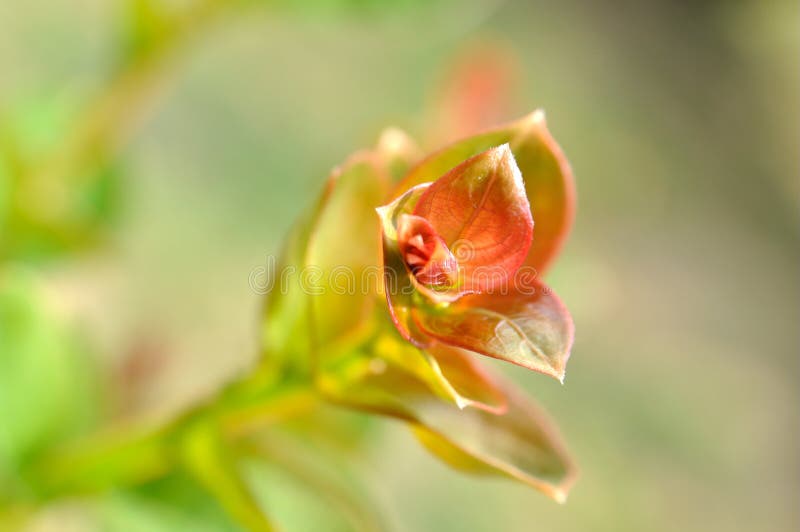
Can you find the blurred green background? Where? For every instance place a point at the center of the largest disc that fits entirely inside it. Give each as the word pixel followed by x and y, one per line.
pixel 680 121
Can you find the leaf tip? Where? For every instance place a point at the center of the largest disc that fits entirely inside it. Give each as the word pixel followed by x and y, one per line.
pixel 462 403
pixel 560 370
pixel 503 156
pixel 559 495
pixel 531 124
pixel 555 369
pixel 504 150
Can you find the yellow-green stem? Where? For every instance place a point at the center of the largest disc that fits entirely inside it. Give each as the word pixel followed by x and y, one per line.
pixel 133 455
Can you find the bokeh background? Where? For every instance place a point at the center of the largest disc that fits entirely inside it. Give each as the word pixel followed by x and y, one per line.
pixel 679 118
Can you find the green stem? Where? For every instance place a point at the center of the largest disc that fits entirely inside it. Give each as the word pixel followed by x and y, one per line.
pixel 133 455
pixel 208 457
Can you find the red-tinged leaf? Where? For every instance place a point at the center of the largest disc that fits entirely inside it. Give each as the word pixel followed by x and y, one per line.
pixel 550 188
pixel 480 210
pixel 344 250
pixel 521 444
pixel 545 171
pixel 530 328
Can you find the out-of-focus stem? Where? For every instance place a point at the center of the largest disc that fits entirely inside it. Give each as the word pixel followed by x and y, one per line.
pixel 111 117
pixel 104 126
pixel 361 516
pixel 133 455
pixel 206 455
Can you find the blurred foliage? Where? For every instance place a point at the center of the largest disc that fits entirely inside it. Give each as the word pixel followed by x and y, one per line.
pixel 48 383
pixel 674 114
pixel 174 502
pixel 45 218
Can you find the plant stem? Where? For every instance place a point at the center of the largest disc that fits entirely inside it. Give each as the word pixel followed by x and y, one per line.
pixel 133 455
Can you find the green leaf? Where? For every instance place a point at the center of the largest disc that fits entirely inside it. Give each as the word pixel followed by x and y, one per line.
pixel 287 311
pixel 452 373
pixel 521 444
pixel 339 239
pixel 173 503
pixel 209 459
pixel 344 249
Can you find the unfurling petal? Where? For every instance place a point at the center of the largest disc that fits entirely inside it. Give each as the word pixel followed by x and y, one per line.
pixel 545 171
pixel 425 253
pixel 398 285
pixel 480 210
